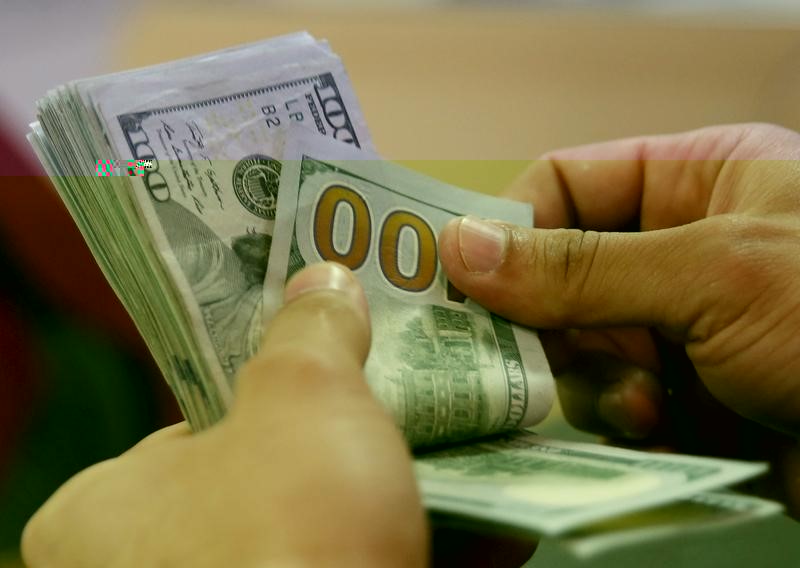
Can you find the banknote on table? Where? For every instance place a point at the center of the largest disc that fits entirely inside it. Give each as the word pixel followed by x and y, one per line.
pixel 444 367
pixel 713 528
pixel 525 481
pixel 185 246
pixel 709 511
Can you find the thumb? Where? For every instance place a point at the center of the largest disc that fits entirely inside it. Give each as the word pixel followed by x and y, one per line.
pixel 557 278
pixel 314 348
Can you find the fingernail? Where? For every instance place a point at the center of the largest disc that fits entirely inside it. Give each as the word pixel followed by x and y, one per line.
pixel 322 276
pixel 482 244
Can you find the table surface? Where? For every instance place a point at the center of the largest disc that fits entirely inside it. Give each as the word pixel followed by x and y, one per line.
pixel 472 84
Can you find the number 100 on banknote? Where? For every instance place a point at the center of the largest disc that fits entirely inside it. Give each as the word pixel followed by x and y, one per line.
pixel 443 366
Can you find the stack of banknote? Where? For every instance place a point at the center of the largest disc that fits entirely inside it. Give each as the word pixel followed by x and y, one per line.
pixel 255 161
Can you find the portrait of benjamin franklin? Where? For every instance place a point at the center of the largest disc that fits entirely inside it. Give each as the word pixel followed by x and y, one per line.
pixel 226 281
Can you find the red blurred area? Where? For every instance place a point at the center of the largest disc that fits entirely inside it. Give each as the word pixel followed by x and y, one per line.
pixel 39 234
pixel 43 243
pixel 17 379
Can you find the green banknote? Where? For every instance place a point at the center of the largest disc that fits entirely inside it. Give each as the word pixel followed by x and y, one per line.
pixel 548 486
pixel 707 512
pixel 443 366
pixel 186 244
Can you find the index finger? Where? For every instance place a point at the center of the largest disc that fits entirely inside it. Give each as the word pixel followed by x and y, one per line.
pixel 650 182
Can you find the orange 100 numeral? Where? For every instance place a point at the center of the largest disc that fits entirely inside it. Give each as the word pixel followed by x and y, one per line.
pixel 358 247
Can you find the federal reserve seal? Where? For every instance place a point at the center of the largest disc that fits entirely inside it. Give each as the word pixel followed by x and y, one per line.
pixel 255 183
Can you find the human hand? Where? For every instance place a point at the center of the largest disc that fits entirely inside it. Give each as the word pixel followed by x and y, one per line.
pixel 306 469
pixel 699 305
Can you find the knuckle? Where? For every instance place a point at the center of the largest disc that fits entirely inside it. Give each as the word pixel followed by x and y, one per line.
pixel 766 130
pixel 306 362
pixel 568 259
pixel 300 379
pixel 744 269
pixel 295 366
pixel 738 250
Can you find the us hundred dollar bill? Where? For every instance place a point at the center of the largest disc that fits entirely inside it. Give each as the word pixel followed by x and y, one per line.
pixel 444 367
pixel 186 245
